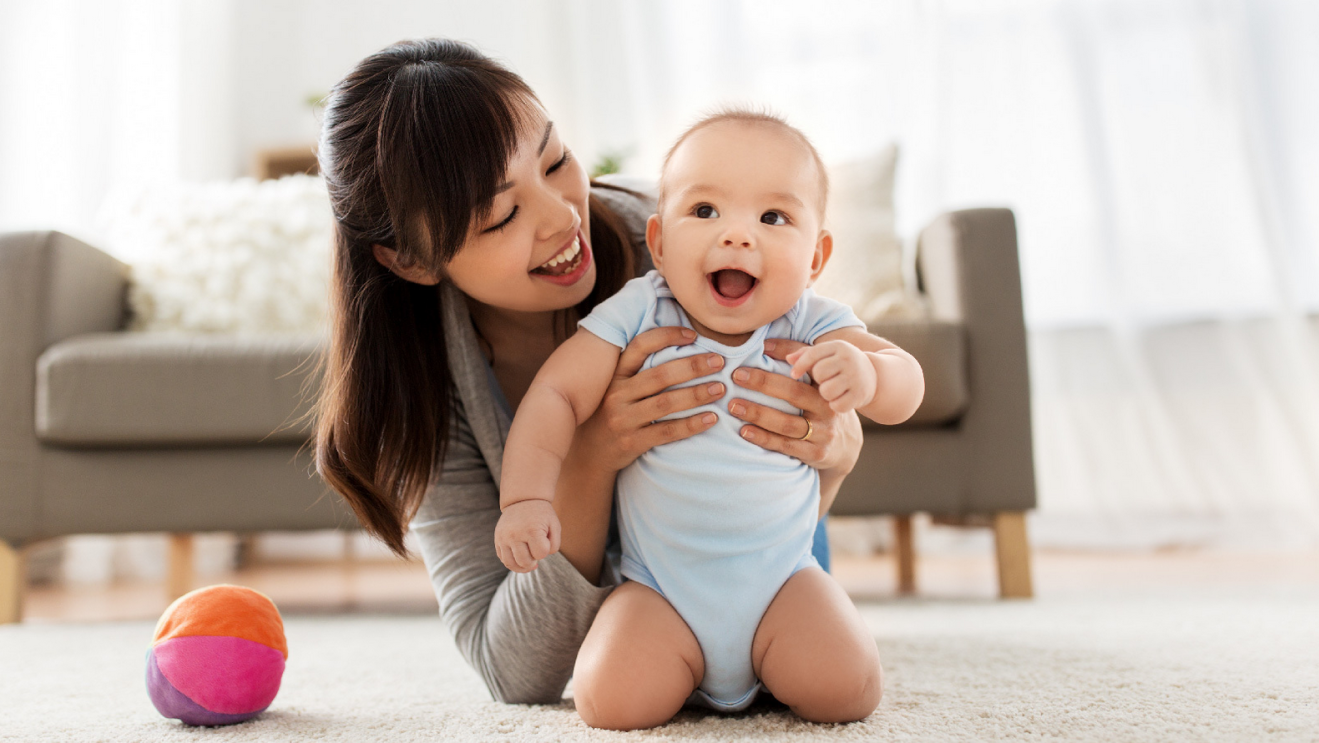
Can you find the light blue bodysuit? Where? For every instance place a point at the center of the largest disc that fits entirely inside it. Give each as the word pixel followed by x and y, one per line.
pixel 714 523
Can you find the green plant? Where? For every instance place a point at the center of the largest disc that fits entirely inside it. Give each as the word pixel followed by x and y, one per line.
pixel 608 162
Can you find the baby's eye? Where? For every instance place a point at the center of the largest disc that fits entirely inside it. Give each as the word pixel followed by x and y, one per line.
pixel 705 211
pixel 774 218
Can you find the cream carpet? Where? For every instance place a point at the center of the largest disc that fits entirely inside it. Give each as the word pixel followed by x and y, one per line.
pixel 1134 669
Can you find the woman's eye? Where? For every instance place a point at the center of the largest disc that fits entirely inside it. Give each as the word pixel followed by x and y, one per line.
pixel 567 155
pixel 504 223
pixel 705 211
pixel 774 218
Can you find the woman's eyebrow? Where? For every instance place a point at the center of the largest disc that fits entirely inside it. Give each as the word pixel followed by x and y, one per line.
pixel 544 140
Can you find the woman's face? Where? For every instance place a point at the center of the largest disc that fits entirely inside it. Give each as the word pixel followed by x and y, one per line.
pixel 539 218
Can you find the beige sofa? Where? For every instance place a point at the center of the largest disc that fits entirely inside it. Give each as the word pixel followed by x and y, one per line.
pixel 106 431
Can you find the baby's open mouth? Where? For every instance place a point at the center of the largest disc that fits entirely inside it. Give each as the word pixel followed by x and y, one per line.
pixel 732 284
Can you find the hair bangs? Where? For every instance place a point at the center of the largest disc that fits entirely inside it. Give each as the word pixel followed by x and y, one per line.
pixel 447 134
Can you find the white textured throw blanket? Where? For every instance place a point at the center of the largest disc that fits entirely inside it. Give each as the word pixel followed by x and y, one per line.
pixel 1099 669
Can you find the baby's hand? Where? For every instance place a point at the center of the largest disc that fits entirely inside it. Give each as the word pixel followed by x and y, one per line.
pixel 527 532
pixel 843 373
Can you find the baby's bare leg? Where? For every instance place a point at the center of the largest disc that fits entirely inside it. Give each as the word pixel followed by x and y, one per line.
pixel 814 653
pixel 638 663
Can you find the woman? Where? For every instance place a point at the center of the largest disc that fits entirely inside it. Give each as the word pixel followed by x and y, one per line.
pixel 454 200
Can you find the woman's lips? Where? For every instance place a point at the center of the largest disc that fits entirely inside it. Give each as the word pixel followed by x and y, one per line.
pixel 575 275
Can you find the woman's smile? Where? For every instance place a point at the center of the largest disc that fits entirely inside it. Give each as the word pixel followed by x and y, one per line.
pixel 567 266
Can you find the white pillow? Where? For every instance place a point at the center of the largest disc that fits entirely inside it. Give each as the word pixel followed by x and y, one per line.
pixel 866 268
pixel 226 257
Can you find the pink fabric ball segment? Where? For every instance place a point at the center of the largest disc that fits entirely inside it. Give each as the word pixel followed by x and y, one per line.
pixel 217 656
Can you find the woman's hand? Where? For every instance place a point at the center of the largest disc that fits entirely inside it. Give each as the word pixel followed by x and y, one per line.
pixel 835 441
pixel 621 428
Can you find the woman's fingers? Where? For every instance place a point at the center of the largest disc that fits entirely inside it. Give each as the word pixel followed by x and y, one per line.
pixel 811 452
pixel 670 373
pixel 774 421
pixel 779 348
pixel 664 432
pixel 630 361
pixel 674 401
pixel 797 393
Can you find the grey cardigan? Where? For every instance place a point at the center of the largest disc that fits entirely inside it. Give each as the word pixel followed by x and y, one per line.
pixel 520 631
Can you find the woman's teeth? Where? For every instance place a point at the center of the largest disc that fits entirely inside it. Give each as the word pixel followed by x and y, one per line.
pixel 564 261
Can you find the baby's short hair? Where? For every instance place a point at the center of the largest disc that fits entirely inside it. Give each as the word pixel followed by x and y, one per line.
pixel 754 116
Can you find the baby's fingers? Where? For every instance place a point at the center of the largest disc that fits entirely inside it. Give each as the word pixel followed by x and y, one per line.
pixel 803 359
pixel 554 537
pixel 540 546
pixel 522 556
pixel 850 399
pixel 835 388
pixel 507 555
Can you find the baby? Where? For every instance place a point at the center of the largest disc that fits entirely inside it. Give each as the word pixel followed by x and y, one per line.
pixel 714 524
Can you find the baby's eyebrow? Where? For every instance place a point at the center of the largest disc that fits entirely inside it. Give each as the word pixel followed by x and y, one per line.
pixel 699 189
pixel 785 196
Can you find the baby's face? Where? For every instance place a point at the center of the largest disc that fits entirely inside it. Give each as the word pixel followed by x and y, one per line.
pixel 738 237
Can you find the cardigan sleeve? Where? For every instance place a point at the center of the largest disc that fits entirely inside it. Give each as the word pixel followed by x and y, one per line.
pixel 520 631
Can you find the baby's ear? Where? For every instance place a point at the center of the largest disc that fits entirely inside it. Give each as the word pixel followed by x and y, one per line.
pixel 654 240
pixel 824 247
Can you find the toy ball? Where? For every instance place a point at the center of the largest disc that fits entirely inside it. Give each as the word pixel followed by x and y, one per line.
pixel 217 657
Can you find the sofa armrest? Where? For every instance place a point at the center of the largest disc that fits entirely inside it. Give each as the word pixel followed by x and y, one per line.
pixel 51 287
pixel 54 287
pixel 968 268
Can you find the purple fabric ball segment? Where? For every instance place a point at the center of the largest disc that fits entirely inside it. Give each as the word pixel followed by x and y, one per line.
pixel 217 657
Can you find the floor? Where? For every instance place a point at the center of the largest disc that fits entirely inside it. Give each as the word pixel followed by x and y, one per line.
pixel 380 586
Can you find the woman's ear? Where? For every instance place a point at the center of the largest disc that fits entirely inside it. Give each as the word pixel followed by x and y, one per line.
pixel 404 269
pixel 653 243
pixel 824 247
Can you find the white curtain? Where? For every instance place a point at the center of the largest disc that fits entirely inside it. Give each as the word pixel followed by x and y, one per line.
pixel 1163 163
pixel 101 95
pixel 1160 156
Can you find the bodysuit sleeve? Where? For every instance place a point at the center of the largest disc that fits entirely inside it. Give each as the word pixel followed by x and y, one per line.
pixel 520 631
pixel 815 315
pixel 627 314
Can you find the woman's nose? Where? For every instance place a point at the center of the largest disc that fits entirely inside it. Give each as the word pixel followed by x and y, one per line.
pixel 557 215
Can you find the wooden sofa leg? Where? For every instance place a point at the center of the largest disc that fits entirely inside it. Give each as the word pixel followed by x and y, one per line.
pixel 1013 552
pixel 13 580
pixel 906 553
pixel 179 578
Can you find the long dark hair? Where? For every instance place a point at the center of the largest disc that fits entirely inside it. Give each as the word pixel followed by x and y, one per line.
pixel 413 144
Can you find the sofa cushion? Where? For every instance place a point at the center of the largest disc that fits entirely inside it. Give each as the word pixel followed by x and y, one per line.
pixel 153 389
pixel 177 389
pixel 940 347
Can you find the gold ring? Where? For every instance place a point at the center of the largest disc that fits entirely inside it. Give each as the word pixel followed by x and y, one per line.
pixel 809 430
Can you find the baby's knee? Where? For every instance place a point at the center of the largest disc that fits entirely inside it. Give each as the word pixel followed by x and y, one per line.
pixel 844 691
pixel 612 698
pixel 612 704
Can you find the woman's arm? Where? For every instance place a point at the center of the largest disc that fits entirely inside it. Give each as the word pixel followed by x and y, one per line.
pixel 520 631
